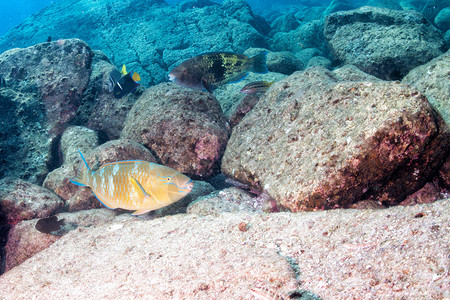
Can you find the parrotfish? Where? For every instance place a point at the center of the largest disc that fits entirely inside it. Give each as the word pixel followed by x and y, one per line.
pixel 134 184
pixel 122 83
pixel 256 87
pixel 210 70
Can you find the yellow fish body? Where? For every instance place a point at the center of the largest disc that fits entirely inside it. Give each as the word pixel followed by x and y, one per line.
pixel 135 185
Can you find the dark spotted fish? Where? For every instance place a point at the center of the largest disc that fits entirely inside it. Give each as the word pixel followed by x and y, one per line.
pixel 256 87
pixel 49 225
pixel 210 70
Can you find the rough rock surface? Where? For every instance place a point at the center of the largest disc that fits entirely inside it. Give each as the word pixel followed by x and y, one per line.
pixel 24 240
pixel 352 73
pixel 21 200
pixel 382 42
pixel 433 80
pixel 395 253
pixel 43 89
pixel 227 200
pixel 77 138
pixel 185 128
pixel 78 197
pixel 313 142
pixel 100 110
pixel 147 36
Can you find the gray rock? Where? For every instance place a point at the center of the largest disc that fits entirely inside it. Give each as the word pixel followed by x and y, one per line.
pixel 81 198
pixel 313 142
pixel 201 188
pixel 100 110
pixel 284 23
pixel 283 62
pixel 442 19
pixel 330 254
pixel 382 42
pixel 319 61
pixel 185 128
pixel 227 200
pixel 77 138
pixel 44 86
pixel 24 240
pixel 307 35
pixel 339 5
pixel 149 37
pixel 21 200
pixel 352 73
pixel 432 79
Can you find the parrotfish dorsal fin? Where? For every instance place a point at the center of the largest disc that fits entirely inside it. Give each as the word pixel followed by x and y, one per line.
pixel 136 77
pixel 124 70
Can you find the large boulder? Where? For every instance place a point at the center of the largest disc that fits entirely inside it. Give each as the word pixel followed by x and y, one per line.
pixel 383 42
pixel 185 128
pixel 432 79
pixel 147 36
pixel 21 200
pixel 395 253
pixel 43 89
pixel 314 142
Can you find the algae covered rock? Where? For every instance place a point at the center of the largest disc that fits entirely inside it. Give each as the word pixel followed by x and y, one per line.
pixel 382 42
pixel 21 200
pixel 43 87
pixel 432 79
pixel 314 142
pixel 185 128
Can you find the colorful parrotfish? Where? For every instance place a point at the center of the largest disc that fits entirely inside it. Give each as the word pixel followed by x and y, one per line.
pixel 135 185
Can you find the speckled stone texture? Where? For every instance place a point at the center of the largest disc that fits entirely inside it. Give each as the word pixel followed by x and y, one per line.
pixel 77 138
pixel 382 42
pixel 21 200
pixel 313 142
pixel 43 89
pixel 149 36
pixel 433 80
pixel 185 128
pixel 395 253
pixel 78 197
pixel 24 240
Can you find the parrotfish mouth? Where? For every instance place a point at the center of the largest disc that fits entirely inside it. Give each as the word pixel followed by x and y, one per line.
pixel 172 77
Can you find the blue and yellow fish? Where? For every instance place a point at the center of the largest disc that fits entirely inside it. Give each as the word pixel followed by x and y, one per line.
pixel 135 185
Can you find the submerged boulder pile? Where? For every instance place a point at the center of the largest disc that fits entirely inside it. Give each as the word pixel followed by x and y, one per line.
pixel 317 139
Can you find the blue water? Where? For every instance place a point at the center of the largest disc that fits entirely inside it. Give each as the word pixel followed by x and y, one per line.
pixel 12 13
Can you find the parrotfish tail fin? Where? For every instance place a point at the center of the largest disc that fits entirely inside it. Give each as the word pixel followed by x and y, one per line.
pixel 136 77
pixel 259 63
pixel 124 70
pixel 81 178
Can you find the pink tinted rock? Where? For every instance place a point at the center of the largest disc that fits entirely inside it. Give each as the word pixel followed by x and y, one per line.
pixel 24 240
pixel 81 198
pixel 314 142
pixel 395 253
pixel 185 128
pixel 21 200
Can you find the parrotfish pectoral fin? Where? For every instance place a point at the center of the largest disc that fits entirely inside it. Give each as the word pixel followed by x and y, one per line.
pixel 140 212
pixel 207 86
pixel 138 188
pixel 124 70
pixel 81 178
pixel 259 63
pixel 136 77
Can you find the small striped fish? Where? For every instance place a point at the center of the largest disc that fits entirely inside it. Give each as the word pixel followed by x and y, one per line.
pixel 135 185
